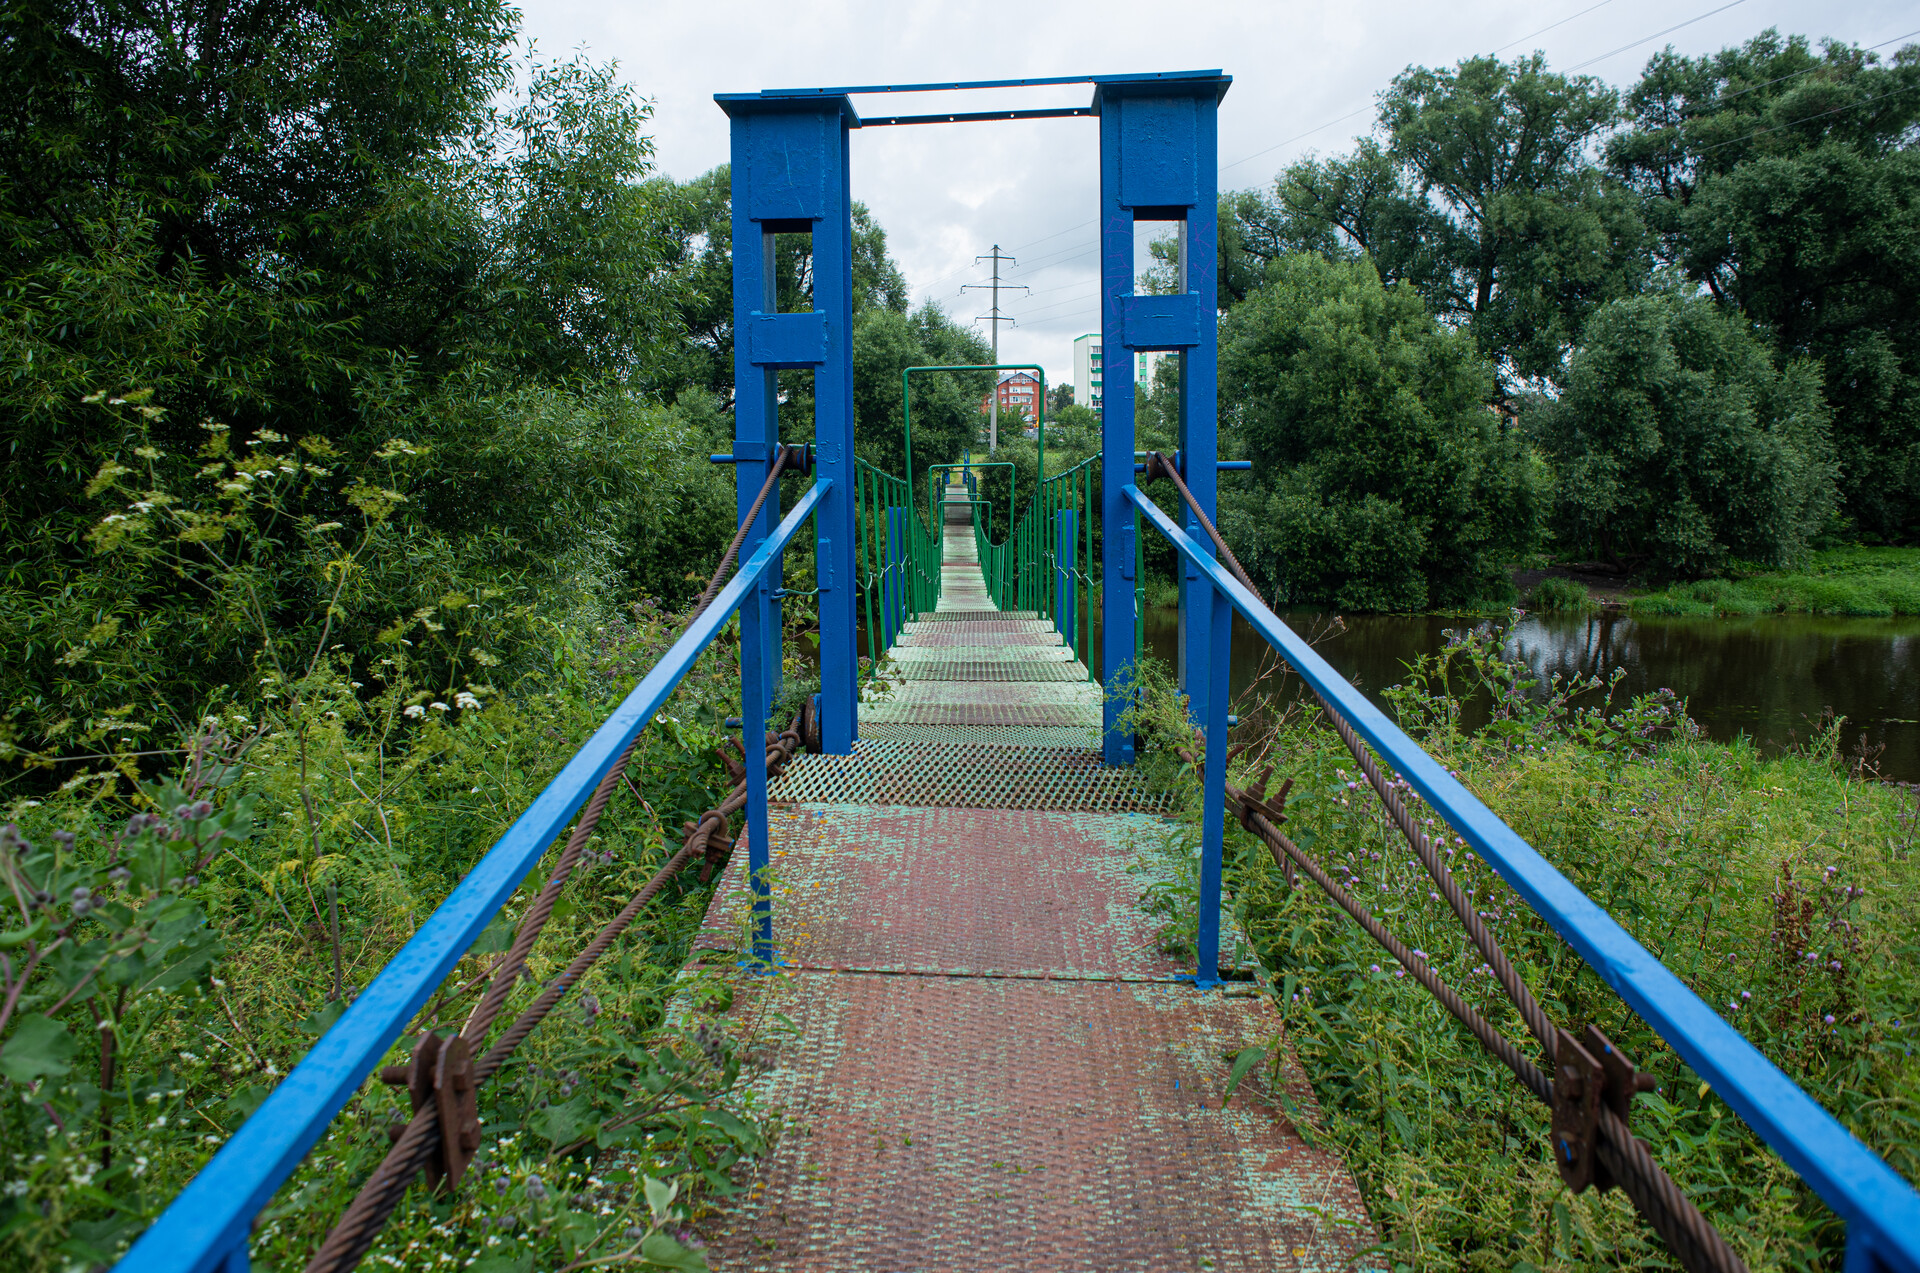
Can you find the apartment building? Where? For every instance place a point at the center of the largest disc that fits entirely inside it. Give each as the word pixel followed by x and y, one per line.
pixel 1086 370
pixel 1016 389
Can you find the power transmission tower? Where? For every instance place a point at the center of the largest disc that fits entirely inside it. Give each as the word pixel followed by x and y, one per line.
pixel 995 317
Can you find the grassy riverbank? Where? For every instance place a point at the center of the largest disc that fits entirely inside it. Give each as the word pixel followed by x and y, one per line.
pixel 1786 892
pixel 1844 581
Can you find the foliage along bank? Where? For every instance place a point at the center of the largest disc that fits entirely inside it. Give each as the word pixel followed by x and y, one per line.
pixel 1782 890
pixel 1688 299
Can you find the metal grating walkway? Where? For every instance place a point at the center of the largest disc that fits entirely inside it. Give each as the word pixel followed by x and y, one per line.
pixel 982 1056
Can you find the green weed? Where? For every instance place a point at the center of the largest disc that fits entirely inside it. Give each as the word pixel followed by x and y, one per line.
pixel 1861 582
pixel 169 939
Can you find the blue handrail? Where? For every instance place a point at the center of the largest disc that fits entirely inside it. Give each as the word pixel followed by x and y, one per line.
pixel 206 1226
pixel 1882 1211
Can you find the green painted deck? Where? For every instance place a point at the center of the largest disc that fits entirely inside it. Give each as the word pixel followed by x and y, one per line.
pixel 981 1057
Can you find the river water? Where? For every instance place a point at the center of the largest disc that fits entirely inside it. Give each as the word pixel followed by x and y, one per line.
pixel 1767 677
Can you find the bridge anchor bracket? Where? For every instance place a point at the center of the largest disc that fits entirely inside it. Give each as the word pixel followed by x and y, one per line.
pixel 441 1074
pixel 1586 1072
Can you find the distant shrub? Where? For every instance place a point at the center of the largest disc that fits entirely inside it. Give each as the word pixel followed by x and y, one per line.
pixel 1672 605
pixel 1380 480
pixel 1679 443
pixel 1555 595
pixel 1902 594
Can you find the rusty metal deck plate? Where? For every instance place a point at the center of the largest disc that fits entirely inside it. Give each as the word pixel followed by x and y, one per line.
pixel 983 714
pixel 988 669
pixel 987 735
pixel 974 616
pixel 975 892
pixel 960 776
pixel 936 635
pixel 999 653
pixel 991 1066
pixel 981 1055
pixel 993 629
pixel 1086 694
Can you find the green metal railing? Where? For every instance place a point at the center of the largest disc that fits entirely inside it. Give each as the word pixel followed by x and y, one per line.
pixel 937 486
pixel 896 554
pixel 1046 564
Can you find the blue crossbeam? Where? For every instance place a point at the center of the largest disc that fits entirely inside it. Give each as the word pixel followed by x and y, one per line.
pixel 979 117
pixel 947 85
pixel 208 1222
pixel 1861 1188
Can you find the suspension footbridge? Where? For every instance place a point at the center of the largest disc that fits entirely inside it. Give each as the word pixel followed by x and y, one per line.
pixel 991 1062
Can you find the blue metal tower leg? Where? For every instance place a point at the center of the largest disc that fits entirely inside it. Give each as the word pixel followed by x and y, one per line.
pixel 1116 441
pixel 1210 634
pixel 1159 162
pixel 790 177
pixel 833 436
pixel 756 424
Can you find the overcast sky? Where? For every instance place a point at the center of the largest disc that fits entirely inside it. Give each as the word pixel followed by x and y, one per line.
pixel 1304 79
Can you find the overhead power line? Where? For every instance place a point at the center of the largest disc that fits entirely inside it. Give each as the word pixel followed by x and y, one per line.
pixel 1044 262
pixel 1297 136
pixel 1808 70
pixel 1581 66
pixel 1550 26
pixel 1804 119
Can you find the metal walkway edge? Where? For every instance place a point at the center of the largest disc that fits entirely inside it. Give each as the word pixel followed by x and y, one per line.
pixel 990 1063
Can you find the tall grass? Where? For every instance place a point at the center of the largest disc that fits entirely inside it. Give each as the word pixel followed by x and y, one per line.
pixel 1868 582
pixel 382 803
pixel 1558 595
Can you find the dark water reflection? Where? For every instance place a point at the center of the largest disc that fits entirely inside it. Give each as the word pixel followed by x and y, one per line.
pixel 1763 677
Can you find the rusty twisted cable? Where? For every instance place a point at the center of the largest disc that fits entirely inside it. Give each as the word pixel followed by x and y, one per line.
pixel 413 1150
pixel 1667 1209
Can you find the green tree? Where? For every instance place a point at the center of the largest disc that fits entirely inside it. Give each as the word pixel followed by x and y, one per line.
pixel 1679 443
pixel 1530 236
pixel 1785 181
pixel 1382 480
pixel 697 220
pixel 336 225
pixel 1484 196
pixel 946 405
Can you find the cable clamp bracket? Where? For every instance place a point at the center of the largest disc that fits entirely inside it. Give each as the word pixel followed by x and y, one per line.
pixel 441 1074
pixel 1588 1071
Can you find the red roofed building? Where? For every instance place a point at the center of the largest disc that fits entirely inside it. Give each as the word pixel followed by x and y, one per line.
pixel 1016 389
